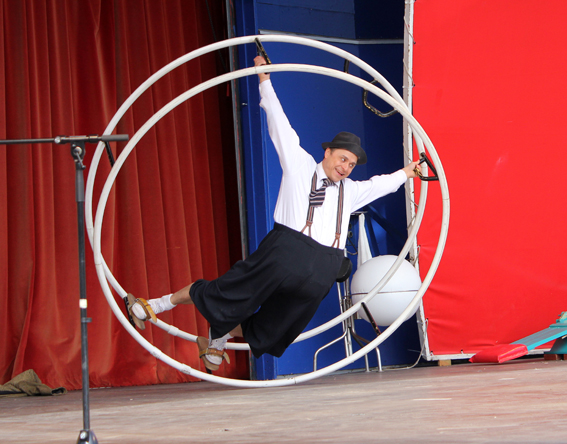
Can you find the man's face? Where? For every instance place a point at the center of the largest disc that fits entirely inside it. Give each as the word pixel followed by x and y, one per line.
pixel 338 163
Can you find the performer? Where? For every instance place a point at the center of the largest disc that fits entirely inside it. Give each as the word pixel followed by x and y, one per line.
pixel 270 297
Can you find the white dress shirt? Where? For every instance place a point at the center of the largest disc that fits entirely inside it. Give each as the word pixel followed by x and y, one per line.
pixel 298 167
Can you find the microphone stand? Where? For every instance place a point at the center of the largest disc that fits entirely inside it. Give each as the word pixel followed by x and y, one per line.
pixel 86 435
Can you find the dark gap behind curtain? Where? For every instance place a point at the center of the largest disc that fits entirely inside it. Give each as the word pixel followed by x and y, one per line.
pixel 172 217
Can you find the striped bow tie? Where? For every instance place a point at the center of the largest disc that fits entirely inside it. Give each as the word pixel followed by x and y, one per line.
pixel 317 197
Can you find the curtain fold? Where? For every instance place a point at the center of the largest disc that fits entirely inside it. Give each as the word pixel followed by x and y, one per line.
pixel 67 67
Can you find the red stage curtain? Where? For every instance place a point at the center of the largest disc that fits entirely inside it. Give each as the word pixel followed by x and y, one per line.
pixel 66 67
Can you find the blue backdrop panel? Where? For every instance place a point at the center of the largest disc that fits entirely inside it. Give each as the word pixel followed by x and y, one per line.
pixel 318 107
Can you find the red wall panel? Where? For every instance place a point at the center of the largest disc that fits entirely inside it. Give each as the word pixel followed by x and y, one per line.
pixel 490 90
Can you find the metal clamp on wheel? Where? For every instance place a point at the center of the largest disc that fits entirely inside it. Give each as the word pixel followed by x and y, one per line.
pixel 425 159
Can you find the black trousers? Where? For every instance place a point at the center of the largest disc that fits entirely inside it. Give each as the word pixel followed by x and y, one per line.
pixel 272 294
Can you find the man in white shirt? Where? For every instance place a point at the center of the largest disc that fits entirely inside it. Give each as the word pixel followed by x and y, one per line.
pixel 270 297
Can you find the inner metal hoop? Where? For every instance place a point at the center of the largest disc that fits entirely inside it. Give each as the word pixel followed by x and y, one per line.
pixel 100 265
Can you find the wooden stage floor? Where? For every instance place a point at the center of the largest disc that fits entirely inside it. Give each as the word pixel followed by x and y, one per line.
pixel 517 402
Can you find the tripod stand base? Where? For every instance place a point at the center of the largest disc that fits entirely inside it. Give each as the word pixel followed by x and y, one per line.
pixel 87 437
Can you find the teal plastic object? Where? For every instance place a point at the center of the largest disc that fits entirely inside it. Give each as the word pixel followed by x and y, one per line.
pixel 554 331
pixel 559 347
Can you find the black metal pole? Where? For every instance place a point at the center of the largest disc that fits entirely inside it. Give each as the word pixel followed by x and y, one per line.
pixel 236 117
pixel 86 436
pixel 69 139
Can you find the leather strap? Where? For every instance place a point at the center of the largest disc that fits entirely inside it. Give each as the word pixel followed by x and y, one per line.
pixel 311 208
pixel 214 351
pixel 340 206
pixel 202 344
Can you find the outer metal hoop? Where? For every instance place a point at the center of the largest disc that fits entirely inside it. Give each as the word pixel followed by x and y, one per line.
pixel 100 266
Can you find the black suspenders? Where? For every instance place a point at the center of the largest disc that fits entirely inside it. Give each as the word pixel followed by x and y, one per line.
pixel 340 207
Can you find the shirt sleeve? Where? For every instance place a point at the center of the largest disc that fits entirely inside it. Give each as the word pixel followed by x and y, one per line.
pixel 367 191
pixel 284 137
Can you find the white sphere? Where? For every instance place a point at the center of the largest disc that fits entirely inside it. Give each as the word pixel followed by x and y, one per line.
pixel 389 303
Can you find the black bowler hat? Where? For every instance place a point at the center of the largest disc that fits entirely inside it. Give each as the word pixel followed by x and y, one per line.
pixel 350 142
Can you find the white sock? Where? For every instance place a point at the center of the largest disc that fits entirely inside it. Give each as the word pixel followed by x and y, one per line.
pixel 164 303
pixel 158 305
pixel 220 342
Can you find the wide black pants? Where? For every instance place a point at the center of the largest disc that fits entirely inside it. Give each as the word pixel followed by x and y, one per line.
pixel 272 294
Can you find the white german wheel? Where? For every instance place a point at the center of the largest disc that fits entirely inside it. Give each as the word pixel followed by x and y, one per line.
pixel 393 98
